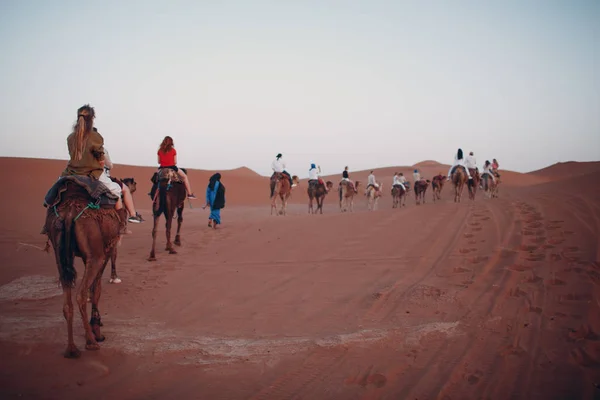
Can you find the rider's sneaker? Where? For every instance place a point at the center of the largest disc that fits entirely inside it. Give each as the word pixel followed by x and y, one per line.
pixel 294 185
pixel 192 196
pixel 136 219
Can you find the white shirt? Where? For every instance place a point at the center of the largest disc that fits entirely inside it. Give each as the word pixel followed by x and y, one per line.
pixel 278 165
pixel 470 162
pixel 313 174
pixel 397 180
pixel 487 170
pixel 402 179
pixel 371 180
pixel 416 176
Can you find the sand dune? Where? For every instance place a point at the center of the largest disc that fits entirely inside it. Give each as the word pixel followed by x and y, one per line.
pixel 486 299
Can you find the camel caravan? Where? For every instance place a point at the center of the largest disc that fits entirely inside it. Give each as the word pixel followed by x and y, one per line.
pixel 88 210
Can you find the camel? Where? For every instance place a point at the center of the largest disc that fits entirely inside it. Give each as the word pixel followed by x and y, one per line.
pixel 398 196
pixel 420 189
pixel 347 195
pixel 283 191
pixel 373 196
pixel 473 184
pixel 459 178
pixel 78 227
pixel 437 184
pixel 168 197
pixel 132 185
pixel 317 191
pixel 490 186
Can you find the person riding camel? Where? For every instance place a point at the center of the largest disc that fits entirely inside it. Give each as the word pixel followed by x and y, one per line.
pixel 127 197
pixel 459 161
pixel 167 158
pixel 416 176
pixel 314 177
pixel 495 167
pixel 488 169
pixel 371 181
pixel 278 166
pixel 397 182
pixel 346 178
pixel 87 157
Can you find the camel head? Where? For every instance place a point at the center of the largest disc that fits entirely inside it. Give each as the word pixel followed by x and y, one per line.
pixel 356 184
pixel 329 185
pixel 131 183
pixel 295 180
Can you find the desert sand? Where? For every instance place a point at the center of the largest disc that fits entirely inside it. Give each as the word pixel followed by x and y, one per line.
pixel 491 299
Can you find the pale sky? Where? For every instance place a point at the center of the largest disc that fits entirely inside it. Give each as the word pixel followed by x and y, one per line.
pixel 359 83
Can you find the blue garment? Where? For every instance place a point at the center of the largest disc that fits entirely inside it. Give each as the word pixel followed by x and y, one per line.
pixel 211 194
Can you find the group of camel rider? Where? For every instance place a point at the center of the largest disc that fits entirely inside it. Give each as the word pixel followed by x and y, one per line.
pixel 88 157
pixel 470 163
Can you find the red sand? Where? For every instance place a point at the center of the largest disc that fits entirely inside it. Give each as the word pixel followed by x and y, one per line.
pixel 486 299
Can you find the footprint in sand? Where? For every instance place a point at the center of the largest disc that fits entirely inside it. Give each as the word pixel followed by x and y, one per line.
pixel 459 270
pixel 532 278
pixel 534 225
pixel 555 257
pixel 584 332
pixel 584 359
pixel 477 229
pixel 594 277
pixel 575 297
pixel 525 247
pixel 475 224
pixel 516 292
pixel 518 268
pixel 553 227
pixel 464 251
pixel 536 257
pixel 475 377
pixel 468 235
pixel 538 240
pixel 536 310
pixel 556 282
pixel 478 259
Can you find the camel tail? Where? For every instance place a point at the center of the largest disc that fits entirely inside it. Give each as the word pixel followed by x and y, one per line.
pixel 162 200
pixel 68 274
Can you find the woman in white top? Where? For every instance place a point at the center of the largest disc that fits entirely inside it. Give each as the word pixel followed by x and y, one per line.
pixel 459 160
pixel 487 169
pixel 398 182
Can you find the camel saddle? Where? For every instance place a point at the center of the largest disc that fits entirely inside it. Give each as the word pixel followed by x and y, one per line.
pixel 98 192
pixel 457 166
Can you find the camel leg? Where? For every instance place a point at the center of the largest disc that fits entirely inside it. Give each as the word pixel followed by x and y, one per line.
pixel 96 321
pixel 92 268
pixel 72 351
pixel 154 230
pixel 179 221
pixel 113 267
pixel 168 226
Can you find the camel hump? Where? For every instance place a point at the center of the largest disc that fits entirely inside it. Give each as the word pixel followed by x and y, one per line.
pixel 80 186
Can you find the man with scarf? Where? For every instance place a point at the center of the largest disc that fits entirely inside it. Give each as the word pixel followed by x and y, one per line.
pixel 215 198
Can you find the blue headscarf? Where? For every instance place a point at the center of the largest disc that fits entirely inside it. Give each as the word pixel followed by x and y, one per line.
pixel 312 166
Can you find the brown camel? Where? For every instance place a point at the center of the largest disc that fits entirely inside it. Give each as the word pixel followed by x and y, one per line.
pixel 167 197
pixel 437 184
pixel 398 196
pixel 317 191
pixel 420 189
pixel 283 191
pixel 490 186
pixel 373 196
pixel 132 185
pixel 347 195
pixel 459 179
pixel 76 227
pixel 473 184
